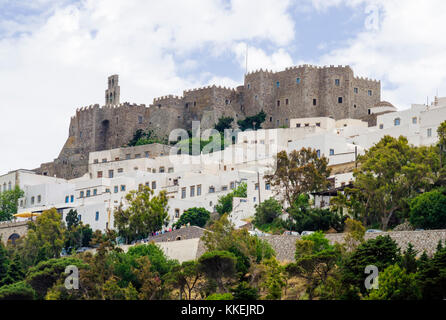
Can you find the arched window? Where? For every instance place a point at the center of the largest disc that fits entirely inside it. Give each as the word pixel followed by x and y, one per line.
pixel 397 121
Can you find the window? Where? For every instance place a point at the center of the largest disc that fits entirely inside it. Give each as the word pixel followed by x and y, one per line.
pixel 199 190
pixel 137 156
pixel 177 213
pixel 211 190
pixel 356 90
pixel 147 154
pixel 110 174
pixel 337 82
pixel 267 186
pixel 270 119
pixel 278 84
pixel 153 185
pixel 120 170
pixel 287 102
pixel 314 102
pixel 72 198
pixel 369 111
pixel 429 132
pixel 140 119
pixel 297 80
pixel 162 169
pixel 39 198
pixel 227 101
pixel 297 125
pixel 107 190
pixel 249 86
pixel 318 124
pixel 67 199
pixel 122 188
pixel 332 152
pixel 340 100
pixel 192 191
pixel 116 189
pixel 318 152
pixel 183 193
pixel 256 97
pixel 95 192
pixel 278 103
pixel 354 106
pixel 170 170
pixel 370 93
pixel 81 195
pixel 381 126
pixel 224 188
pixel 127 156
pixel 104 160
pixel 397 121
pixel 232 185
pixel 79 217
pixel 88 193
pixel 95 161
pixel 414 120
pixel 307 124
pixel 97 216
pixel 257 186
pixel 99 174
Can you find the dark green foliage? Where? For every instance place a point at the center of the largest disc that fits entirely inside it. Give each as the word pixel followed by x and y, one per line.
pixel 17 291
pixel 4 263
pixel 428 210
pixel 303 217
pixel 253 122
pixel 194 216
pixel 159 262
pixel 432 277
pixel 15 272
pixel 141 138
pixel 223 123
pixel 44 275
pixel 409 259
pixel 267 212
pixel 381 252
pixel 9 203
pixel 245 292
pixel 225 203
pixel 72 219
pixel 218 265
pixel 220 296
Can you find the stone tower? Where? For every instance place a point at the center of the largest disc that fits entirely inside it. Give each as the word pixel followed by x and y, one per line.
pixel 113 92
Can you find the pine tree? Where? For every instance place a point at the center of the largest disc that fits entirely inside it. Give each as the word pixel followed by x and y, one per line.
pixel 409 259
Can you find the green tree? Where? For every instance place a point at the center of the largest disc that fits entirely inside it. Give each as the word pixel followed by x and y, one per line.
pixel 143 138
pixel 145 214
pixel 354 234
pixel 299 172
pixel 4 262
pixel 244 292
pixel 252 122
pixel 223 124
pixel 45 238
pixel 72 219
pixel 225 203
pixel 381 252
pixel 15 271
pixel 391 172
pixel 409 259
pixel 9 203
pixel 47 273
pixel 432 277
pixel 315 261
pixel 194 216
pixel 218 266
pixel 396 284
pixel 185 278
pixel 17 291
pixel 274 279
pixel 428 210
pixel 267 212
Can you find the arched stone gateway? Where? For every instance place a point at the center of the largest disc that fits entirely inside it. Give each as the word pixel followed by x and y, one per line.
pixel 13 238
pixel 12 231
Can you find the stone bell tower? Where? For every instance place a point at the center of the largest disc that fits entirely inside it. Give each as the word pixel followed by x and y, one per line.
pixel 113 92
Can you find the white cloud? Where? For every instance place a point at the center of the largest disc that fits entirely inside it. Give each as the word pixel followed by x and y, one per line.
pixel 259 59
pixel 61 57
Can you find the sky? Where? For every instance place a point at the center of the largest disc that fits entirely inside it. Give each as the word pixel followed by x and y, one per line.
pixel 55 56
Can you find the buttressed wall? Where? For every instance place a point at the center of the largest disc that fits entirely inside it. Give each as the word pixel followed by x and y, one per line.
pixel 297 92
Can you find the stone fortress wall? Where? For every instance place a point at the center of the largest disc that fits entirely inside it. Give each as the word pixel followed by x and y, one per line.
pixel 297 92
